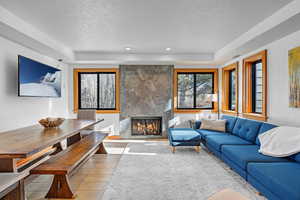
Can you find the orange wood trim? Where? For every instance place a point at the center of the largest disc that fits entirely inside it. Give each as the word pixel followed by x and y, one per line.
pixel 75 87
pixel 254 116
pixel 96 69
pixel 243 88
pixel 75 90
pixel 225 88
pixel 117 91
pixel 265 83
pixel 107 111
pixel 216 89
pixel 230 112
pixel 247 86
pixel 177 70
pixel 175 98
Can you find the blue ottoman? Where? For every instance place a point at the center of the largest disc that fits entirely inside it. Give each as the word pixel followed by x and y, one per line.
pixel 184 137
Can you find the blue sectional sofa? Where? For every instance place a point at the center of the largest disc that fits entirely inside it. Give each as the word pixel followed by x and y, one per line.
pixel 275 178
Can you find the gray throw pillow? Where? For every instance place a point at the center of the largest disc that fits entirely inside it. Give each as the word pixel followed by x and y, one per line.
pixel 215 125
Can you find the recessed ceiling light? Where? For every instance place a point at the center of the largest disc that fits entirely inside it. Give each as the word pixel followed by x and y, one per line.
pixel 127 48
pixel 168 49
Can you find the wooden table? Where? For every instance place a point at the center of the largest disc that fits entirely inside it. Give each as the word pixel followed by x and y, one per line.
pixel 29 141
pixel 26 146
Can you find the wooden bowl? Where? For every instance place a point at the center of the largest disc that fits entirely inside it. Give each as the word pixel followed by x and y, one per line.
pixel 51 122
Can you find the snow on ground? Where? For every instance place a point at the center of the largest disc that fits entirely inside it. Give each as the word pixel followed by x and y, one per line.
pixel 38 89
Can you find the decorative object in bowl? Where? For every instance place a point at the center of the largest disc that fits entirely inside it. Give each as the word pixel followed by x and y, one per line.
pixel 51 122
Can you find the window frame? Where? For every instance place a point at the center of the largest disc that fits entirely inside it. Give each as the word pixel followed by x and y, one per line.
pixel 226 88
pixel 177 71
pixel 76 95
pixel 247 102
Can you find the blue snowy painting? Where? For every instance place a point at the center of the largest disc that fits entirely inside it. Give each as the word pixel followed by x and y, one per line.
pixel 37 79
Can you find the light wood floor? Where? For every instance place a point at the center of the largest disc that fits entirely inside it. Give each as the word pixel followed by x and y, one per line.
pixel 89 181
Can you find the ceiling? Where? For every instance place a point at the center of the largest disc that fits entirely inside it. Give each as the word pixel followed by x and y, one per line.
pixel 147 26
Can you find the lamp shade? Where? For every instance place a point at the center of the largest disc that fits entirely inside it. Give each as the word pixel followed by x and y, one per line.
pixel 213 97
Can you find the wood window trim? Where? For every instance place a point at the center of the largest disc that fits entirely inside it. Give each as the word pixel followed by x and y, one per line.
pixel 247 91
pixel 76 71
pixel 225 89
pixel 175 90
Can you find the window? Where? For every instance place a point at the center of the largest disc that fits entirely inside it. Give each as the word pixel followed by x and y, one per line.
pixel 230 89
pixel 194 89
pixel 255 86
pixel 96 89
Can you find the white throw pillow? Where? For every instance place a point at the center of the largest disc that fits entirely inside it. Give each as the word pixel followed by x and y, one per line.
pixel 215 125
pixel 281 141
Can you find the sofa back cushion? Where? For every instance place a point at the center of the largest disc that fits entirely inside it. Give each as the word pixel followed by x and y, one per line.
pixel 264 127
pixel 230 122
pixel 247 129
pixel 296 157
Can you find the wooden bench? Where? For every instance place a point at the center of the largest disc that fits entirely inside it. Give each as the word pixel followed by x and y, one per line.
pixel 64 163
pixel 12 186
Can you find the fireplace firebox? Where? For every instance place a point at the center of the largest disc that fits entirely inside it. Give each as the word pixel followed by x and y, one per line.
pixel 146 126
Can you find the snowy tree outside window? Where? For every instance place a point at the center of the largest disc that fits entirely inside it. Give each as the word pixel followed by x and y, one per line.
pixel 194 90
pixel 97 90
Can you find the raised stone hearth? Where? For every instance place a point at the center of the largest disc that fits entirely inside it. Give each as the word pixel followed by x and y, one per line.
pixel 146 91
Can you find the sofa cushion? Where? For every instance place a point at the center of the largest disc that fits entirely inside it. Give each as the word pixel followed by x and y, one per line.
pixel 268 194
pixel 230 122
pixel 247 129
pixel 264 127
pixel 283 179
pixel 216 141
pixel 296 157
pixel 234 166
pixel 205 133
pixel 243 154
pixel 214 151
pixel 183 134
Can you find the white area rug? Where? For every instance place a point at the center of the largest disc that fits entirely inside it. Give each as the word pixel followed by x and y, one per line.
pixel 149 171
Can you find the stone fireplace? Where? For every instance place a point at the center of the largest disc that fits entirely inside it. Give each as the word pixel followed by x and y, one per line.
pixel 146 125
pixel 145 91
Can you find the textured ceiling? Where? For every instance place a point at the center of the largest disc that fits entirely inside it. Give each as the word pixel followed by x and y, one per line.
pixel 148 26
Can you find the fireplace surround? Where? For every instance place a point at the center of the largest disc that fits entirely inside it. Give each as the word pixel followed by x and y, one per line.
pixel 145 91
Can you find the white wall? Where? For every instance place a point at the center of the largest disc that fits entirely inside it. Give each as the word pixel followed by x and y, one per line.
pixel 16 112
pixel 111 123
pixel 278 80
